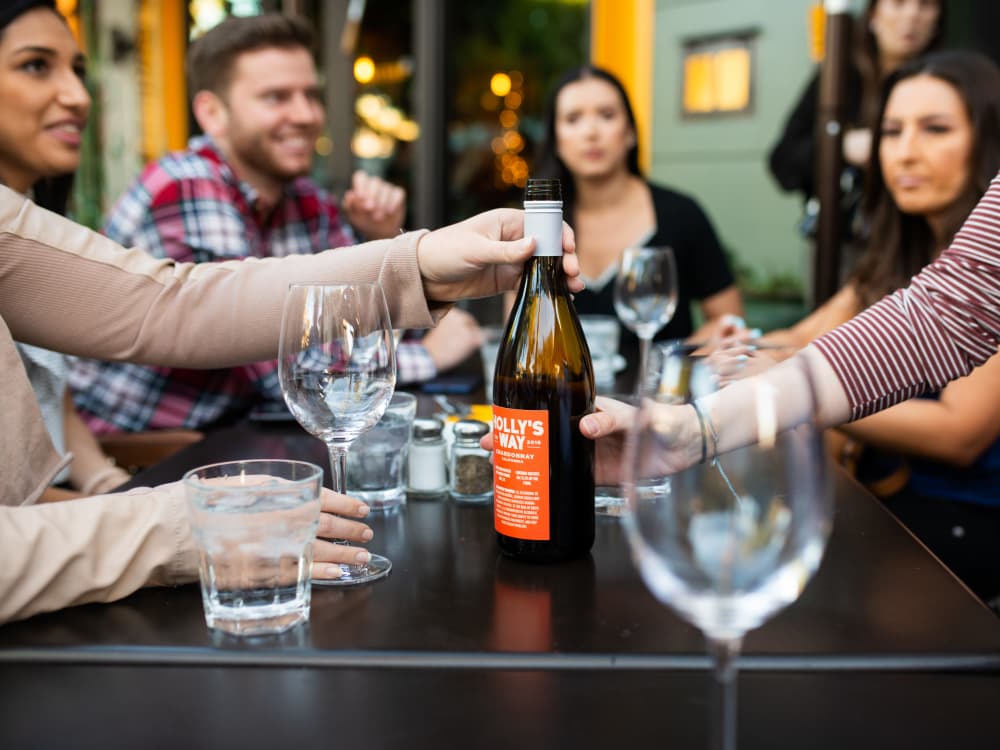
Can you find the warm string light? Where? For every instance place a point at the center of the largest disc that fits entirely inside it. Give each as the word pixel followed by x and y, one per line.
pixel 505 95
pixel 382 124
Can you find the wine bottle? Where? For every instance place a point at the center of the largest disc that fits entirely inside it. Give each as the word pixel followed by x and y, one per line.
pixel 543 468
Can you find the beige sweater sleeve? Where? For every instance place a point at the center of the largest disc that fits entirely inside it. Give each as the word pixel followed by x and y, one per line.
pixel 66 288
pixel 94 550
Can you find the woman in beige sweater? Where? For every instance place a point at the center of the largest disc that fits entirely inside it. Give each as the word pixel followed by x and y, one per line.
pixel 70 290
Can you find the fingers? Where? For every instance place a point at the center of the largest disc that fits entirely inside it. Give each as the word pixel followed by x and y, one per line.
pixel 335 527
pixel 327 555
pixel 610 418
pixel 374 206
pixel 334 502
pixel 327 558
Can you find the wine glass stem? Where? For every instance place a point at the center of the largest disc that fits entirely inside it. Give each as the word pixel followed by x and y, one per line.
pixel 722 728
pixel 338 480
pixel 644 344
pixel 338 468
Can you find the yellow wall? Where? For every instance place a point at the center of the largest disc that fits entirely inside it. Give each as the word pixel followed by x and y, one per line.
pixel 164 96
pixel 622 42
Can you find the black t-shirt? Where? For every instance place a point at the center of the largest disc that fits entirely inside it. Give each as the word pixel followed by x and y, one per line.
pixel 702 269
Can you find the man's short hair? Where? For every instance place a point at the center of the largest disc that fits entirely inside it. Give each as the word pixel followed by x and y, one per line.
pixel 212 57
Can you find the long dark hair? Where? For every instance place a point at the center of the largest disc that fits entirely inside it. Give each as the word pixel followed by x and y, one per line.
pixel 52 193
pixel 548 164
pixel 901 244
pixel 864 55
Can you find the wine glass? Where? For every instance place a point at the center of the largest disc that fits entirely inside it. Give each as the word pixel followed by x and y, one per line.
pixel 728 542
pixel 646 294
pixel 337 367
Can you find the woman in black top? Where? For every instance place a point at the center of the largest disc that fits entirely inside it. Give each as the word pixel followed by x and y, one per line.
pixel 591 145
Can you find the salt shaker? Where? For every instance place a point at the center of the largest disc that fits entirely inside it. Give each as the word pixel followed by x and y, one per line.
pixel 428 462
pixel 471 470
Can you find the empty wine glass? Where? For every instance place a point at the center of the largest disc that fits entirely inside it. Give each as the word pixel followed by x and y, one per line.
pixel 337 367
pixel 728 542
pixel 646 294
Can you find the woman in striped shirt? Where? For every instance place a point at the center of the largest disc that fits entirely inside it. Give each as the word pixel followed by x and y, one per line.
pixel 938 147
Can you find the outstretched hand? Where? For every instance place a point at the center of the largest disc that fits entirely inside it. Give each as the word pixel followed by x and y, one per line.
pixel 483 256
pixel 607 425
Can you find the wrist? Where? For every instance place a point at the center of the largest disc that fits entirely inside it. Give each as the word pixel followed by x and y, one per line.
pixel 104 480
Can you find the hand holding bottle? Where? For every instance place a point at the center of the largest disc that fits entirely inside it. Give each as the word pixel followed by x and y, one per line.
pixel 483 256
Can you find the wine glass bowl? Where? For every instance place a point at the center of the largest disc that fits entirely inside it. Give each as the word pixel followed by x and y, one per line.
pixel 728 542
pixel 645 294
pixel 337 369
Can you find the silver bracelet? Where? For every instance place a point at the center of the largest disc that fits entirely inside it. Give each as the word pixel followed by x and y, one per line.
pixel 701 429
pixel 706 426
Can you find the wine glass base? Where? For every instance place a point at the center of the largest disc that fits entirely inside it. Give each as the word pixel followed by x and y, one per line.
pixel 354 575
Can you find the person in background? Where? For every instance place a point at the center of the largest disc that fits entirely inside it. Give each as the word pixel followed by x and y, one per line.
pixel 887 34
pixel 938 145
pixel 939 328
pixel 591 145
pixel 68 289
pixel 45 107
pixel 242 191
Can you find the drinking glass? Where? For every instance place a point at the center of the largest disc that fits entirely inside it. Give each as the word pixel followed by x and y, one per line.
pixel 337 367
pixel 728 542
pixel 646 294
pixel 254 523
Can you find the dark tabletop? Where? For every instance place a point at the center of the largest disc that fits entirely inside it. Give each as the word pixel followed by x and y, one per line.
pixel 460 647
pixel 879 601
pixel 203 707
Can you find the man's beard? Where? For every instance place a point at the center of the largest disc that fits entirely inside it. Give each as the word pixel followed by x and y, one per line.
pixel 255 153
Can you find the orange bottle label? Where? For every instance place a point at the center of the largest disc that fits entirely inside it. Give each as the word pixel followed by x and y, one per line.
pixel 521 473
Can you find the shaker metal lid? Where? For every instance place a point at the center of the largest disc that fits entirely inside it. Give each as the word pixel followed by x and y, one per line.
pixel 427 427
pixel 470 428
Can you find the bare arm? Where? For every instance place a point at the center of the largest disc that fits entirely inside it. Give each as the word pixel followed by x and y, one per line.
pixel 955 429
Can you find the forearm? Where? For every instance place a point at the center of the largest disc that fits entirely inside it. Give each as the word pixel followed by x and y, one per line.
pixel 920 428
pixel 92 550
pixel 205 315
pixel 805 387
pixel 939 328
pixel 91 471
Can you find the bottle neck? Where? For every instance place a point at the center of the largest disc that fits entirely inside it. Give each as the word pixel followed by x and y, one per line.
pixel 544 272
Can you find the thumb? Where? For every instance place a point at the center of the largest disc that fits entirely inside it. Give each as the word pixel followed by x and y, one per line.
pixel 499 252
pixel 597 425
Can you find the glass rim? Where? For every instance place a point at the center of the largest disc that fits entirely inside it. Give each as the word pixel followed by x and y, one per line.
pixel 335 285
pixel 190 478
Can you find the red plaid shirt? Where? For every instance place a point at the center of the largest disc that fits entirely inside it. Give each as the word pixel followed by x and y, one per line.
pixel 190 206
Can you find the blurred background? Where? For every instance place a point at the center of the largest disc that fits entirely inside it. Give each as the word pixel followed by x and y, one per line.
pixel 446 98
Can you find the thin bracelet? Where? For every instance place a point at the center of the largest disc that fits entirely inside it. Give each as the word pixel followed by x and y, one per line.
pixel 701 429
pixel 706 425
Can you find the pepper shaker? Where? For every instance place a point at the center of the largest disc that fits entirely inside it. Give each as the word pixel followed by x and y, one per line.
pixel 428 462
pixel 471 470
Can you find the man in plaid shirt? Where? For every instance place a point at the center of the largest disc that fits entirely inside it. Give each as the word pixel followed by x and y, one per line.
pixel 241 191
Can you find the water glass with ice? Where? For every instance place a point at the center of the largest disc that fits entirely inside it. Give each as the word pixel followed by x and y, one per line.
pixel 377 462
pixel 254 523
